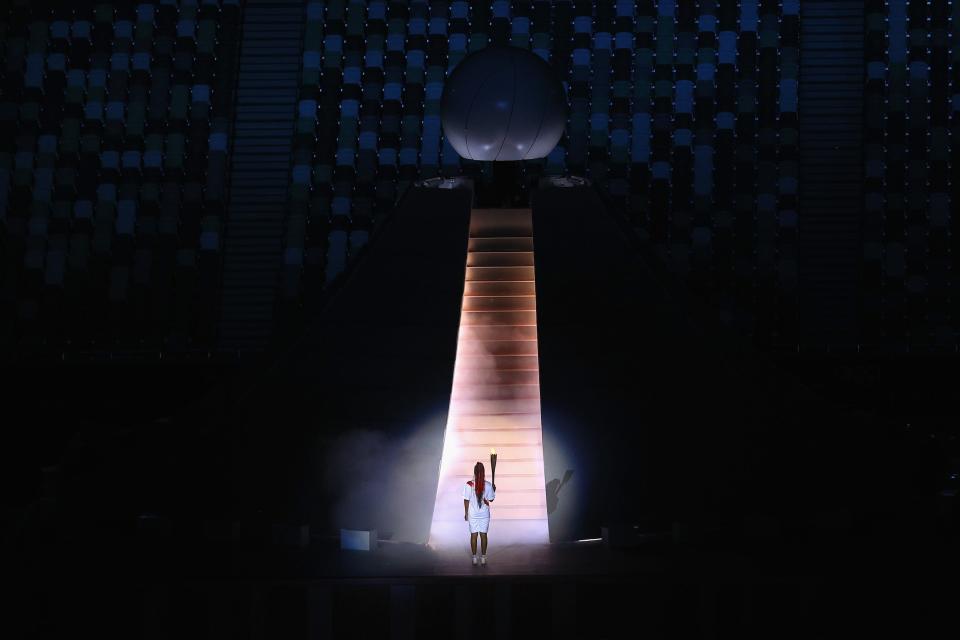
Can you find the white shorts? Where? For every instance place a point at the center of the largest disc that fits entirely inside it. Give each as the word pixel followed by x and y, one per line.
pixel 479 524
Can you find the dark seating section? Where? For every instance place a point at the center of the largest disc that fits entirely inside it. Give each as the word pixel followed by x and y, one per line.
pixel 912 102
pixel 114 121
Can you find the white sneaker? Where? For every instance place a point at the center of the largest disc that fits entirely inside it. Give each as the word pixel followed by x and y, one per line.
pixel 474 560
pixel 483 560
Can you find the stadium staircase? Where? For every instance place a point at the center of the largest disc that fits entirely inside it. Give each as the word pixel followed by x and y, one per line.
pixel 272 39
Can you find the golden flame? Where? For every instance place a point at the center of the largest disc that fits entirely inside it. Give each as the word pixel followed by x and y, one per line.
pixel 493 452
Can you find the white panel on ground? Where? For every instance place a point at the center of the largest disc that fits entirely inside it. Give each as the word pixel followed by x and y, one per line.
pixel 495 401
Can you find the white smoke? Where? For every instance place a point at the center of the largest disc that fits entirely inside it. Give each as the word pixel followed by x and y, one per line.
pixel 385 482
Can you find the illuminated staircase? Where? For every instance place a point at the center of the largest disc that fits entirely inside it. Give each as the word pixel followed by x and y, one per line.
pixel 495 401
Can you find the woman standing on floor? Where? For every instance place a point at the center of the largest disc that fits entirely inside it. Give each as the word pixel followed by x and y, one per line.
pixel 477 496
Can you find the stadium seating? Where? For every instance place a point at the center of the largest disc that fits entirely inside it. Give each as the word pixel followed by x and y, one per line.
pixel 114 124
pixel 911 107
pixel 685 114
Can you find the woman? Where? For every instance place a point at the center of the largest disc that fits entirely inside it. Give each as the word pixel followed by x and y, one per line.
pixel 477 496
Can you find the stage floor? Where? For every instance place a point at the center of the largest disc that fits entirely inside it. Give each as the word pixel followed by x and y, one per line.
pixel 405 562
pixel 409 560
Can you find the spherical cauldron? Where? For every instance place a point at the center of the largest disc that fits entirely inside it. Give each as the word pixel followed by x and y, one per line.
pixel 503 103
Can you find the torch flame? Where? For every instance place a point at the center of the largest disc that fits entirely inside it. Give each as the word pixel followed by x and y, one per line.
pixel 493 452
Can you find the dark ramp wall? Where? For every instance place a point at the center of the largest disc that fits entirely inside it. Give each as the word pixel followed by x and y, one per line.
pixel 365 394
pixel 647 409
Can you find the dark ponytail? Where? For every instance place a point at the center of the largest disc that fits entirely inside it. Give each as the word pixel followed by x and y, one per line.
pixel 478 482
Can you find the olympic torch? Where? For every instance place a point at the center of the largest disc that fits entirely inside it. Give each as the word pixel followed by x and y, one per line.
pixel 493 467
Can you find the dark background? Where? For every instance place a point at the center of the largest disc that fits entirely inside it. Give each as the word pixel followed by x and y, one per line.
pixel 748 323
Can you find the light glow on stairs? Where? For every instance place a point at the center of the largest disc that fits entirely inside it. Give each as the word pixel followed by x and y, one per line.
pixel 495 400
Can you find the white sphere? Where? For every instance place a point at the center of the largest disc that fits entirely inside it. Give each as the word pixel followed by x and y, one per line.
pixel 503 103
